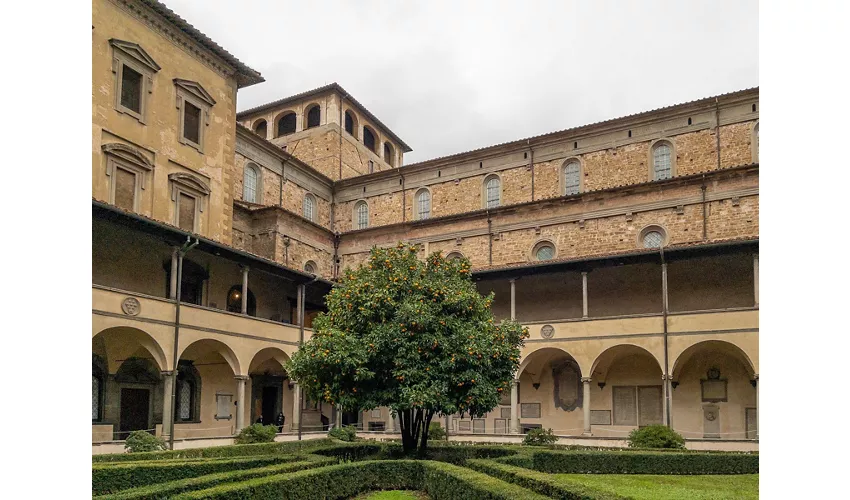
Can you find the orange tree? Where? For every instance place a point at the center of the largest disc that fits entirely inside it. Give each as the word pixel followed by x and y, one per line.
pixel 413 336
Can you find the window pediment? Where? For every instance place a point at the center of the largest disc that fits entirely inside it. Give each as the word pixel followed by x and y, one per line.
pixel 195 89
pixel 136 52
pixel 190 181
pixel 128 153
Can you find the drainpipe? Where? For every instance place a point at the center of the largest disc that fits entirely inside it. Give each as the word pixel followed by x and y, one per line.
pixel 336 255
pixel 666 353
pixel 302 298
pixel 704 217
pixel 180 253
pixel 531 166
pixel 490 238
pixel 403 199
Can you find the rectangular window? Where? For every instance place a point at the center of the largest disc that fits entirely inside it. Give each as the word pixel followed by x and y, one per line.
pixel 191 122
pixel 223 405
pixel 186 217
pixel 131 89
pixel 125 189
pixel 625 406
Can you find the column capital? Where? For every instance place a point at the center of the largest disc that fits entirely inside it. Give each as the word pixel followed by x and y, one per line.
pixel 166 373
pixel 586 380
pixel 515 381
pixel 666 377
pixel 245 267
pixel 241 378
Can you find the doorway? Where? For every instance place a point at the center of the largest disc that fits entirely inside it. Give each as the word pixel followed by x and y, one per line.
pixel 270 404
pixel 135 410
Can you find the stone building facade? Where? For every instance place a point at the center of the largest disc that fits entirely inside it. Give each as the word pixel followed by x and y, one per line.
pixel 628 247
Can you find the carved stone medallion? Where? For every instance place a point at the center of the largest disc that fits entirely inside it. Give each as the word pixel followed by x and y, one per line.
pixel 547 332
pixel 131 306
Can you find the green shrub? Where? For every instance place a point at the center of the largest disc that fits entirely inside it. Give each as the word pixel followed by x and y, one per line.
pixel 436 432
pixel 109 478
pixel 350 452
pixel 539 437
pixel 140 441
pixel 656 436
pixel 346 433
pixel 645 462
pixel 257 433
pixel 246 450
pixel 539 482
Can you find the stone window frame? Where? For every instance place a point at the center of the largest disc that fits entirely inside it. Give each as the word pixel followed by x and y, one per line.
pixel 540 243
pixel 194 93
pixel 258 195
pixel 375 136
pixel 754 142
pixel 650 228
pixel 188 185
pixel 455 252
pixel 257 123
pixel 130 160
pixel 313 264
pixel 355 123
pixel 563 175
pixel 355 219
pixel 416 214
pixel 315 202
pixel 488 178
pixel 188 372
pixel 654 144
pixel 306 117
pixel 133 55
pixel 391 160
pixel 280 116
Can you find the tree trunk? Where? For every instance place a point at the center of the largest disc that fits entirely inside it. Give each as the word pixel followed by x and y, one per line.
pixel 423 446
pixel 414 429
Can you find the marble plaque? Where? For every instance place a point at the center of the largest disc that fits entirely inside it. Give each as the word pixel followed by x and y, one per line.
pixel 625 409
pixel 500 426
pixel 713 390
pixel 376 413
pixel 464 425
pixel 649 405
pixel 752 423
pixel 505 412
pixel 529 410
pixel 711 422
pixel 478 426
pixel 600 417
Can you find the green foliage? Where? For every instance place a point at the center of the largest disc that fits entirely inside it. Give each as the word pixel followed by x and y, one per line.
pixel 656 436
pixel 248 450
pixel 539 482
pixel 140 441
pixel 539 437
pixel 412 335
pixel 345 433
pixel 436 432
pixel 257 433
pixel 644 462
pixel 109 478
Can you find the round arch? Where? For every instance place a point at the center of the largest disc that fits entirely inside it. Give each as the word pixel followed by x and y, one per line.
pixel 203 346
pixel 606 359
pixel 124 340
pixel 266 354
pixel 543 355
pixel 720 347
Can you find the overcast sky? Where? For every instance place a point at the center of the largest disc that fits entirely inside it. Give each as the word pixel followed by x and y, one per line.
pixel 448 77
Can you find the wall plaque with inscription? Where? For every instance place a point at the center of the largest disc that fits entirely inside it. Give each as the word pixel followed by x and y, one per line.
pixel 625 406
pixel 600 417
pixel 713 390
pixel 505 412
pixel 529 410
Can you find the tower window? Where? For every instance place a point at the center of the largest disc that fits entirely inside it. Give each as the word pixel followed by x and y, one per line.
pixel 492 191
pixel 310 207
pixel 423 204
pixel 361 215
pixel 389 154
pixel 572 177
pixel 368 138
pixel 261 128
pixel 286 124
pixel 314 116
pixel 662 161
pixel 250 183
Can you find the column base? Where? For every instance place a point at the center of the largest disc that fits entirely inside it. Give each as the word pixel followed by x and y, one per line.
pixel 587 433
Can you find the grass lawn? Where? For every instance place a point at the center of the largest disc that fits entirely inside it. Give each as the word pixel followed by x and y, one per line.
pixel 393 495
pixel 652 487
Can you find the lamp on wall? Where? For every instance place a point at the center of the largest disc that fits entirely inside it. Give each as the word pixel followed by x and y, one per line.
pixel 291 385
pixel 536 386
pixel 601 385
pixel 674 384
pixel 754 382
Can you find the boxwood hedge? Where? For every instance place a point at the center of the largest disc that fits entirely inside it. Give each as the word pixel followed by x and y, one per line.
pixel 540 482
pixel 623 462
pixel 241 450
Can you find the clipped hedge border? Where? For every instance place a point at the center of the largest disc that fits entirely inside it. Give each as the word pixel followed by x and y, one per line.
pixel 439 480
pixel 617 462
pixel 239 450
pixel 116 477
pixel 540 482
pixel 172 488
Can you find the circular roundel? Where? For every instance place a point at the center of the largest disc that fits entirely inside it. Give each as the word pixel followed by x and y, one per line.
pixel 547 332
pixel 710 416
pixel 131 306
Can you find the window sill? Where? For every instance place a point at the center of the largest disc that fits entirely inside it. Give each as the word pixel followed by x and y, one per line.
pixel 178 422
pixel 224 418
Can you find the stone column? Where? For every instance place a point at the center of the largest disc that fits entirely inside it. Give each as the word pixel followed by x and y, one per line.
pixel 586 404
pixel 513 299
pixel 390 423
pixel 172 286
pixel 296 415
pixel 514 407
pixel 757 402
pixel 665 393
pixel 241 405
pixel 244 289
pixel 448 424
pixel 756 278
pixel 167 407
pixel 584 294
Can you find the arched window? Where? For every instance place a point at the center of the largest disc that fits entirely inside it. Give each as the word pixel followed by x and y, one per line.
pixel 188 390
pixel 423 204
pixel 314 116
pixel 310 207
pixel 389 154
pixel 286 124
pixel 350 123
pixel 652 237
pixel 250 183
pixel 454 256
pixel 368 138
pixel 310 267
pixel 544 250
pixel 572 177
pixel 234 301
pixel 492 191
pixel 662 161
pixel 361 215
pixel 260 128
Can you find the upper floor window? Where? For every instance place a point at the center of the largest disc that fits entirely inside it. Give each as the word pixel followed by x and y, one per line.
pixel 368 138
pixel 492 191
pixel 314 116
pixel 189 194
pixel 423 204
pixel 261 128
pixel 662 160
pixel 544 250
pixel 310 207
pixel 234 301
pixel 653 237
pixel 250 183
pixel 572 177
pixel 194 103
pixel 127 169
pixel 756 143
pixel 310 267
pixel 134 70
pixel 389 154
pixel 361 215
pixel 286 124
pixel 350 123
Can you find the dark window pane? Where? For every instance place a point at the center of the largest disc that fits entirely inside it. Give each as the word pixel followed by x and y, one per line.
pixel 368 139
pixel 191 122
pixel 388 153
pixel 349 123
pixel 186 218
pixel 131 89
pixel 286 125
pixel 125 189
pixel 314 116
pixel 261 129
